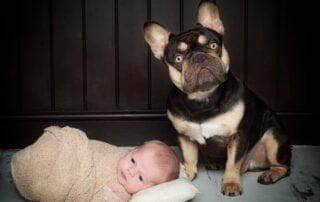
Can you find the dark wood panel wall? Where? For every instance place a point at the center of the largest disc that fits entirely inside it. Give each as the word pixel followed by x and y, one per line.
pixel 85 64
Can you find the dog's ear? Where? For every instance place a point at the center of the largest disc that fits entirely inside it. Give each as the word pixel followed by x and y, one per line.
pixel 157 37
pixel 208 16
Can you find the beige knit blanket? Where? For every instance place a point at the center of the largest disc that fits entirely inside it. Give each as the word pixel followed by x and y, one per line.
pixel 64 165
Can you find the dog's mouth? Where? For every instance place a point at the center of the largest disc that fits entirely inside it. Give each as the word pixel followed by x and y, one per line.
pixel 208 76
pixel 205 78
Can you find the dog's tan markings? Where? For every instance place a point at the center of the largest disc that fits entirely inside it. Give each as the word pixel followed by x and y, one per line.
pixel 200 95
pixel 225 59
pixel 272 147
pixel 277 170
pixel 272 175
pixel 183 47
pixel 190 155
pixel 256 158
pixel 175 76
pixel 202 39
pixel 189 129
pixel 222 125
pixel 231 179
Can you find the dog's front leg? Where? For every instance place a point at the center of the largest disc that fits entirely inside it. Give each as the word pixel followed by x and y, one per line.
pixel 231 185
pixel 190 155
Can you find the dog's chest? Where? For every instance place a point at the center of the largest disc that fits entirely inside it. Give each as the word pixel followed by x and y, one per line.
pixel 223 125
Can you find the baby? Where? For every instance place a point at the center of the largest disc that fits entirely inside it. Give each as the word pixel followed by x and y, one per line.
pixel 64 165
pixel 149 164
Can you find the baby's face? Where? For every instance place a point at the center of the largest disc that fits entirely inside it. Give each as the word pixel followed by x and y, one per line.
pixel 137 170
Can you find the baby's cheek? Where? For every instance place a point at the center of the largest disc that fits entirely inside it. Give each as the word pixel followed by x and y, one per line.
pixel 136 186
pixel 130 189
pixel 122 165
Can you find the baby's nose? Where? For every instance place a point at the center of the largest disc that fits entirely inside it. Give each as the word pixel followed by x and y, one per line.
pixel 132 171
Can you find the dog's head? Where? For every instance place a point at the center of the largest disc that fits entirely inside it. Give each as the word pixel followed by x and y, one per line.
pixel 197 59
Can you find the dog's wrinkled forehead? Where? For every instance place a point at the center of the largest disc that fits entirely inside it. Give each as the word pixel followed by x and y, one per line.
pixel 191 41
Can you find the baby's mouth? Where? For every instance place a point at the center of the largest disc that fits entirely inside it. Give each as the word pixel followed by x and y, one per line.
pixel 123 176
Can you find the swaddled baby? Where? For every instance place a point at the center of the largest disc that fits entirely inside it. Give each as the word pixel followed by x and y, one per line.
pixel 64 165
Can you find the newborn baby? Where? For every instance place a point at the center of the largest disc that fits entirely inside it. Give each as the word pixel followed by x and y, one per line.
pixel 64 165
pixel 147 165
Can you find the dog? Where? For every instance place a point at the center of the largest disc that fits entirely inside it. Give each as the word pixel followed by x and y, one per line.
pixel 214 112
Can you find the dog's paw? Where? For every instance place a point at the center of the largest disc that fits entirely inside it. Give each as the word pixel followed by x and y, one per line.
pixel 231 189
pixel 191 170
pixel 273 175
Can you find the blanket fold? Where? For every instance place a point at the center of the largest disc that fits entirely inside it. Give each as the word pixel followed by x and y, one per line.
pixel 64 165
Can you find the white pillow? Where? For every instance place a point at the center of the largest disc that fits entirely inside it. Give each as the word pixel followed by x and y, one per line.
pixel 178 190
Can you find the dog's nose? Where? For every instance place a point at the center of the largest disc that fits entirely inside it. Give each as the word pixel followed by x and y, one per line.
pixel 199 58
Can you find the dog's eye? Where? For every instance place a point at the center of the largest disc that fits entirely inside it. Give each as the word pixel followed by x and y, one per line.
pixel 213 46
pixel 179 58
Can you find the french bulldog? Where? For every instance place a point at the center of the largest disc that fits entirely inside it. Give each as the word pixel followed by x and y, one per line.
pixel 212 110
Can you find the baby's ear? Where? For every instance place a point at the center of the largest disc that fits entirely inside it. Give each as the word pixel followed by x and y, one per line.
pixel 157 37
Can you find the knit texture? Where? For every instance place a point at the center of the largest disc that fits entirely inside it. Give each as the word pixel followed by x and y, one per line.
pixel 64 165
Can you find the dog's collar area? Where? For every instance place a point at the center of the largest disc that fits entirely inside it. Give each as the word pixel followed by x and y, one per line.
pixel 202 96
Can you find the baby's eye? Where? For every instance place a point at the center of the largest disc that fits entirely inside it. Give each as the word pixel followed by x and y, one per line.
pixel 140 178
pixel 132 160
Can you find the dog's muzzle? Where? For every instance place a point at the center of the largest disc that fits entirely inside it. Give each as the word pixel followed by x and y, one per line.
pixel 203 72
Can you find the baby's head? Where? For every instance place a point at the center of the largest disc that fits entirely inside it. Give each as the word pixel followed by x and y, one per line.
pixel 147 165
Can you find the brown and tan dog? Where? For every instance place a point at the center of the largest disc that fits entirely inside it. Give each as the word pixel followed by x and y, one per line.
pixel 212 110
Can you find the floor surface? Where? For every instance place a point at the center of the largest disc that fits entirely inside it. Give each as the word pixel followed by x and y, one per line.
pixel 303 185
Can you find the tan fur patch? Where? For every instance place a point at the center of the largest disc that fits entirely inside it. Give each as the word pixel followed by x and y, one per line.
pixel 222 125
pixel 271 146
pixel 225 59
pixel 202 39
pixel 233 167
pixel 175 77
pixel 231 178
pixel 200 95
pixel 183 46
pixel 279 170
pixel 190 155
pixel 274 174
